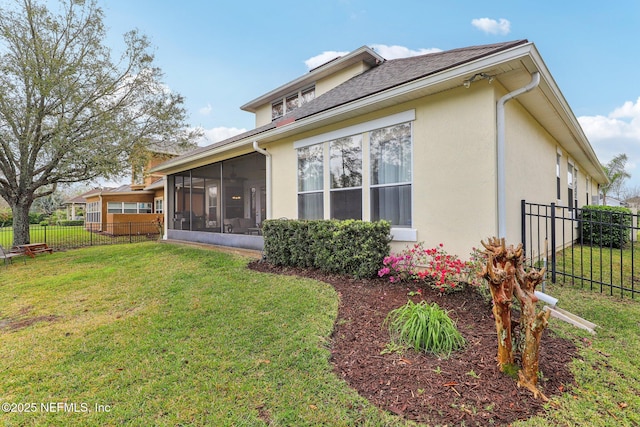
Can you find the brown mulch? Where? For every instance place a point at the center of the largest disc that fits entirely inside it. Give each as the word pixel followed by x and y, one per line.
pixel 465 389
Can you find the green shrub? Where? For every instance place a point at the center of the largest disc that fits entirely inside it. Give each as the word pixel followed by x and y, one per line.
pixel 424 327
pixel 351 247
pixel 605 226
pixel 69 223
pixel 35 218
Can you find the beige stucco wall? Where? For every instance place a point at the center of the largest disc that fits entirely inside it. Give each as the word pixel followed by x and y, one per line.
pixel 454 170
pixel 263 115
pixel 454 163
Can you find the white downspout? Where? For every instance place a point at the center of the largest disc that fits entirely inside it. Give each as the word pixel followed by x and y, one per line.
pixel 502 204
pixel 268 177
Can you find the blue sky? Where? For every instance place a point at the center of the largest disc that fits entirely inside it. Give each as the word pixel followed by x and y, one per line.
pixel 222 54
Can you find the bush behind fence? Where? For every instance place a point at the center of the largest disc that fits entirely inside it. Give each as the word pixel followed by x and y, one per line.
pixel 76 236
pixel 594 246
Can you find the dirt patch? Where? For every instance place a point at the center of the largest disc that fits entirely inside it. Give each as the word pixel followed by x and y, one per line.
pixel 464 389
pixel 23 320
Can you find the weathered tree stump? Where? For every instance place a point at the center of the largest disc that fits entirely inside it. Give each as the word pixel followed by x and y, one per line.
pixel 504 271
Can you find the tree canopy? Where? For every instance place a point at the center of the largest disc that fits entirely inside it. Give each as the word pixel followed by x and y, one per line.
pixel 69 112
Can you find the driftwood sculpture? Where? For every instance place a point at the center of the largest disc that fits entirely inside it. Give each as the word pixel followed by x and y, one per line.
pixel 506 276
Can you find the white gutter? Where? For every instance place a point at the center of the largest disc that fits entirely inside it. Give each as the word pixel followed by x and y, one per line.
pixel 268 177
pixel 502 204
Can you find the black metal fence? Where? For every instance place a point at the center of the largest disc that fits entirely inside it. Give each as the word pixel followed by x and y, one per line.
pixel 61 237
pixel 556 237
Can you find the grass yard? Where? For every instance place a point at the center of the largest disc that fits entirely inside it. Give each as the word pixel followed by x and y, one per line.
pixel 602 265
pixel 168 335
pixel 157 334
pixel 75 236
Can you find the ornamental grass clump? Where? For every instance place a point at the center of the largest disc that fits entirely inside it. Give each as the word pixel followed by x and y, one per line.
pixel 424 327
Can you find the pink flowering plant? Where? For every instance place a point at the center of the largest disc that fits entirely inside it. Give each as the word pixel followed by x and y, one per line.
pixel 432 266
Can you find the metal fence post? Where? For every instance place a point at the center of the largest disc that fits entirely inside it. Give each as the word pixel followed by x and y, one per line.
pixel 553 242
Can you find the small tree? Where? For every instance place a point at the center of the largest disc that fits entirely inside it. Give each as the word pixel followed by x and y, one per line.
pixel 506 276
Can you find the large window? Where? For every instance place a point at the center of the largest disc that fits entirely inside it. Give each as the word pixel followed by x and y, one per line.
pixel 345 166
pixel 310 182
pixel 390 155
pixel 93 212
pixel 128 207
pixel 387 191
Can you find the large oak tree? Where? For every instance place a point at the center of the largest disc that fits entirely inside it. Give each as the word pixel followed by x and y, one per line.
pixel 69 112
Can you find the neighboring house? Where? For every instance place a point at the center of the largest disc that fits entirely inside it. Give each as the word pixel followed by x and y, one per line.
pixel 110 210
pixel 427 143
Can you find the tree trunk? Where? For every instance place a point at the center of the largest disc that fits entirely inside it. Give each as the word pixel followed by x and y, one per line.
pixel 21 221
pixel 502 314
pixel 534 324
pixel 506 276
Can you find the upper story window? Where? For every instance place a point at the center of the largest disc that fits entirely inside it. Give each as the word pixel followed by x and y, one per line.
pixel 289 103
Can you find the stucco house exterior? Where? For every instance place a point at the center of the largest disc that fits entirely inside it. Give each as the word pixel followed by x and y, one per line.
pixel 444 146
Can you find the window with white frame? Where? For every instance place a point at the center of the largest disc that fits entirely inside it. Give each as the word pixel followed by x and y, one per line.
pixel 94 213
pixel 388 164
pixel 128 207
pixel 588 188
pixel 571 186
pixel 158 205
pixel 311 182
pixel 558 188
pixel 345 167
pixel 391 175
pixel 280 107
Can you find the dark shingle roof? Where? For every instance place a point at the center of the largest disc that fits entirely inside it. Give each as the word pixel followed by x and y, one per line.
pixel 389 74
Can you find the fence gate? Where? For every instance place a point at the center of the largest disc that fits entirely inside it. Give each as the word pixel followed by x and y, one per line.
pixel 577 246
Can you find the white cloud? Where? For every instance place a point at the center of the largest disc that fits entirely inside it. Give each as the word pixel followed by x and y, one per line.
pixel 394 52
pixel 616 133
pixel 491 26
pixel 323 58
pixel 387 52
pixel 206 110
pixel 209 136
pixel 622 123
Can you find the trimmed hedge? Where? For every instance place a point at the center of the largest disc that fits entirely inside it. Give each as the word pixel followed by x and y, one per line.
pixel 71 222
pixel 351 247
pixel 606 226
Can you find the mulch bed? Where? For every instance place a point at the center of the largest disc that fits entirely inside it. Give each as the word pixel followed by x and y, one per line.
pixel 465 389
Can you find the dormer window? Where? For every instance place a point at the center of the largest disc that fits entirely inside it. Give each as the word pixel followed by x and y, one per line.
pixel 289 103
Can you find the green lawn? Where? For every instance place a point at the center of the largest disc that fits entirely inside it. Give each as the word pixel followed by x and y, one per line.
pixel 169 335
pixel 589 264
pixel 74 236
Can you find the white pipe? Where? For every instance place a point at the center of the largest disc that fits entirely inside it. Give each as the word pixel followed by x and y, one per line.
pixel 268 177
pixel 502 204
pixel 546 298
